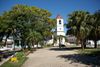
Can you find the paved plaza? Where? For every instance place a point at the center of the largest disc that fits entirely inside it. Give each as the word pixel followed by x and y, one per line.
pixel 50 57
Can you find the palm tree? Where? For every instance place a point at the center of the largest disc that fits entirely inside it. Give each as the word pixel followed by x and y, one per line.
pixel 77 25
pixel 31 37
pixel 96 26
pixel 34 37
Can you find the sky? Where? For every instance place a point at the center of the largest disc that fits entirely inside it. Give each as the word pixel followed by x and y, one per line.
pixel 62 7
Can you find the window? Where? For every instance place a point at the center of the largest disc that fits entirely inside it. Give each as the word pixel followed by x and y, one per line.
pixel 59 21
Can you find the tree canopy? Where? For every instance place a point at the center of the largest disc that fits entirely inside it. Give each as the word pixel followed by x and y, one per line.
pixel 82 23
pixel 26 22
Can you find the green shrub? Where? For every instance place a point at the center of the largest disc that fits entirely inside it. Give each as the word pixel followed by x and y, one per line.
pixel 21 59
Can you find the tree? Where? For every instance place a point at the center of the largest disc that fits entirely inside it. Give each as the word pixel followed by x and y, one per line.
pixel 27 20
pixel 32 37
pixel 95 32
pixel 77 25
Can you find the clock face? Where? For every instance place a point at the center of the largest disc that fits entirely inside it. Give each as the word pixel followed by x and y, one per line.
pixel 60 29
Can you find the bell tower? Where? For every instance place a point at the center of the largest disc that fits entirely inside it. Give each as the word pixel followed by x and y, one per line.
pixel 60 29
pixel 60 25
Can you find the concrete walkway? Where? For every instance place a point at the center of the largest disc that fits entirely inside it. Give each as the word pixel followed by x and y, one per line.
pixel 50 57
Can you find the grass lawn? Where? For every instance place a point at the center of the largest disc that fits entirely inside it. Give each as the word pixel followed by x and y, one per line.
pixel 21 59
pixel 92 56
pixel 90 52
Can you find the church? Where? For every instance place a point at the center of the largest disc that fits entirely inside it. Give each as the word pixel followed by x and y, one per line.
pixel 60 34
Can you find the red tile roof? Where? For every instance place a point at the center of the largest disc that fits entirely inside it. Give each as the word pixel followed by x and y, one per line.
pixel 58 17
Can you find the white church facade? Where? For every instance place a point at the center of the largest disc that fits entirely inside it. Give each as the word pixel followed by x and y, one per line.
pixel 60 31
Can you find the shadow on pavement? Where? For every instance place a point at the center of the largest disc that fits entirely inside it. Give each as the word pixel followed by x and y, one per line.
pixel 64 48
pixel 89 60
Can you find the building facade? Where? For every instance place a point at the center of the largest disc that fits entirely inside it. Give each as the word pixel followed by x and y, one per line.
pixel 60 30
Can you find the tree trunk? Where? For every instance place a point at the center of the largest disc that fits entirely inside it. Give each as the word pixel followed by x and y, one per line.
pixel 6 40
pixel 33 44
pixel 28 44
pixel 59 43
pixel 37 45
pixel 95 44
pixel 14 41
pixel 82 44
pixel 77 42
pixel 22 43
pixel 1 36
